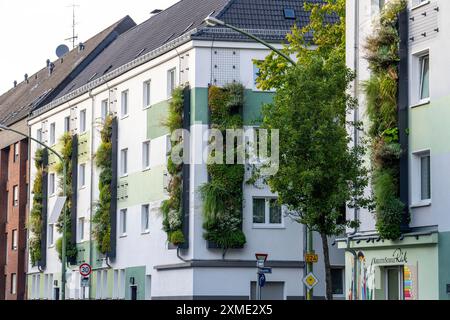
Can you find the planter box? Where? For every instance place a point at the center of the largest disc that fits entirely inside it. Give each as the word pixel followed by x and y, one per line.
pixel 212 245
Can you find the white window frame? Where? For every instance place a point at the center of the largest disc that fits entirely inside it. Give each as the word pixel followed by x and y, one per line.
pixel 39 135
pixel 342 270
pixel 416 183
pixel 146 151
pixel 104 109
pixel 51 235
pixel 52 141
pixel 267 224
pixel 13 283
pixel 422 58
pixel 81 229
pixel 171 88
pixel 147 96
pixel 16 151
pixel 145 214
pixel 51 184
pixel 124 103
pixel 66 124
pixel 123 222
pixel 124 162
pixel 14 240
pixel 83 121
pixel 82 176
pixel 15 196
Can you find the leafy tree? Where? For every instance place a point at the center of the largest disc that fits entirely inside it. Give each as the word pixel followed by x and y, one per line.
pixel 319 170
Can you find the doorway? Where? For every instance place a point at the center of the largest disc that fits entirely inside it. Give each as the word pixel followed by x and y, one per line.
pixel 394 283
pixel 133 292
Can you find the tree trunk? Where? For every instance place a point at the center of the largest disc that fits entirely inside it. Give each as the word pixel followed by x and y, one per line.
pixel 326 255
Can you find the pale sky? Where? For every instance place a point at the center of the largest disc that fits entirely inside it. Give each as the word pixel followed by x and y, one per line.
pixel 30 30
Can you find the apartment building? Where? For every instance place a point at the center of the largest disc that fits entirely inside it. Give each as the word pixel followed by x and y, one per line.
pixel 414 267
pixel 134 82
pixel 15 105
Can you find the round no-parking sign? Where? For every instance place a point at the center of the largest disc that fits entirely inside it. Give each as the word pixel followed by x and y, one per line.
pixel 85 270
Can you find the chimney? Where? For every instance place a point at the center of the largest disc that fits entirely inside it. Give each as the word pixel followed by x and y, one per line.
pixel 26 77
pixel 81 47
pixel 50 68
pixel 15 83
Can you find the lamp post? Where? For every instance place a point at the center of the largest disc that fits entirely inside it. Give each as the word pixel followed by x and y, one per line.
pixel 63 272
pixel 212 21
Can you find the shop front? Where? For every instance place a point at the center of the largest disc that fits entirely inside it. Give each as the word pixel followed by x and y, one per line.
pixel 392 270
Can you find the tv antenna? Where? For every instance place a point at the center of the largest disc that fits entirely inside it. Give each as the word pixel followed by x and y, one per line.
pixel 74 36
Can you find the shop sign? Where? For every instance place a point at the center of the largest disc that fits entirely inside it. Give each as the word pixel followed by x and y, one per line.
pixel 398 257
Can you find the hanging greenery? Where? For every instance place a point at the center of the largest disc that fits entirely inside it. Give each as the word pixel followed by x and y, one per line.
pixel 171 208
pixel 101 220
pixel 223 194
pixel 35 223
pixel 381 91
pixel 67 153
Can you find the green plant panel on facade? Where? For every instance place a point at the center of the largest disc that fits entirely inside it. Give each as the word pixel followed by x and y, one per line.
pixel 382 53
pixel 172 208
pixel 223 194
pixel 102 216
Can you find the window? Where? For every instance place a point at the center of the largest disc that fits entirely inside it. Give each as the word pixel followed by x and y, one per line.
pixel 51 184
pixel 425 177
pixel 66 124
pixel 81 229
pixel 267 211
pixel 82 175
pixel 124 105
pixel 15 196
pixel 14 240
pixel 124 162
pixel 123 222
pixel 171 81
pixel 39 135
pixel 337 281
pixel 52 134
pixel 145 225
pixel 16 151
pixel 51 238
pixel 147 94
pixel 83 121
pixel 146 155
pixel 289 13
pixel 255 75
pixel 104 109
pixel 424 77
pixel 13 283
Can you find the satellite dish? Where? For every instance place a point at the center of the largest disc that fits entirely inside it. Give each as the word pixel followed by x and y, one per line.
pixel 62 50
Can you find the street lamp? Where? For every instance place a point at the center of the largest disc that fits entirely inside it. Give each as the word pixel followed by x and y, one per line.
pixel 63 274
pixel 212 22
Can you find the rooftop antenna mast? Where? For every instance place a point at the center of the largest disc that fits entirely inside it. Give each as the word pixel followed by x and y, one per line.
pixel 74 36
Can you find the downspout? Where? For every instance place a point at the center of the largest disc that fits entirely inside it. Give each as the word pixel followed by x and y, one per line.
pixel 356 140
pixel 91 207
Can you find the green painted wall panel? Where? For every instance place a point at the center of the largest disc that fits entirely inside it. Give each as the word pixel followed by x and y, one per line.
pixel 444 265
pixel 199 106
pixel 429 127
pixel 143 187
pixel 156 114
pixel 138 273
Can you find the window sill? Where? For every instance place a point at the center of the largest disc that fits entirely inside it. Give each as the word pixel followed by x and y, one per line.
pixel 51 246
pixel 268 227
pixel 420 5
pixel 123 236
pixel 421 103
pixel 146 169
pixel 147 107
pixel 82 188
pixel 421 204
pixel 124 117
pixel 83 133
pixel 124 176
pixel 145 233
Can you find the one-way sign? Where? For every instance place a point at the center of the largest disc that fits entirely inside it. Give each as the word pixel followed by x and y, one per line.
pixel 265 270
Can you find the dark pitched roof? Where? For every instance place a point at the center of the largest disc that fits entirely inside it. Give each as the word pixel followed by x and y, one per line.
pixel 18 102
pixel 264 18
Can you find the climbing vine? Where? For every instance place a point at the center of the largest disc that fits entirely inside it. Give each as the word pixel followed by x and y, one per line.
pixel 382 93
pixel 67 153
pixel 223 194
pixel 101 219
pixel 36 222
pixel 171 208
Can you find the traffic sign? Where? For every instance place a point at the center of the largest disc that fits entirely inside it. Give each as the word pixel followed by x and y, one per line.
pixel 85 270
pixel 265 270
pixel 84 282
pixel 311 258
pixel 310 281
pixel 261 280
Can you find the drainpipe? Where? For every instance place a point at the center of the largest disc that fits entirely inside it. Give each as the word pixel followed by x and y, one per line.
pixel 91 206
pixel 356 140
